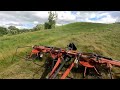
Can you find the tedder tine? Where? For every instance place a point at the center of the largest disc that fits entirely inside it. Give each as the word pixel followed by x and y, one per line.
pixel 67 71
pixel 55 67
pixel 61 66
pixel 84 72
pixel 110 73
pixel 53 63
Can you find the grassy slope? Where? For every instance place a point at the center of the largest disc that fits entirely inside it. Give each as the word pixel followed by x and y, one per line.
pixel 88 37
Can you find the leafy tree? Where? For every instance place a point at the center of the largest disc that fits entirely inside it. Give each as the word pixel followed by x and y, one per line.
pixel 13 30
pixel 47 25
pixel 38 27
pixel 3 31
pixel 51 20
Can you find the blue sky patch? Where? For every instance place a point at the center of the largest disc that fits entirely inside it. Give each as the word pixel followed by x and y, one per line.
pixel 29 25
pixel 73 12
pixel 97 18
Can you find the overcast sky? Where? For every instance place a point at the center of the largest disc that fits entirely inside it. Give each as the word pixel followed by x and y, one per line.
pixel 29 19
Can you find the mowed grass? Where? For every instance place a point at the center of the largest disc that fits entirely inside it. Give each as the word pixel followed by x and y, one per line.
pixel 103 39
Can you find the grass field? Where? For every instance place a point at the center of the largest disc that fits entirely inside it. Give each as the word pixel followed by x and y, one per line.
pixel 103 39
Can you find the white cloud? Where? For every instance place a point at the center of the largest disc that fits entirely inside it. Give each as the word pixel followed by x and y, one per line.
pixel 41 14
pixel 107 19
pixel 35 22
pixel 59 24
pixel 66 15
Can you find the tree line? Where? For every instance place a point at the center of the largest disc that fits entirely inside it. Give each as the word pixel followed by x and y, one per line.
pixel 12 30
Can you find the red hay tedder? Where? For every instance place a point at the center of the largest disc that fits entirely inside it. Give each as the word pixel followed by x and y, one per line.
pixel 73 58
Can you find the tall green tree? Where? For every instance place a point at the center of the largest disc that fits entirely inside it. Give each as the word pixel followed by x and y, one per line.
pixel 51 20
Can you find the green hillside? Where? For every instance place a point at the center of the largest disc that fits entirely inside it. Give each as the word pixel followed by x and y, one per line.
pixel 103 39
